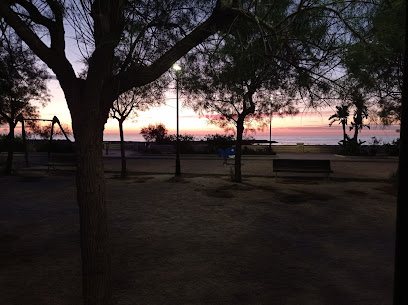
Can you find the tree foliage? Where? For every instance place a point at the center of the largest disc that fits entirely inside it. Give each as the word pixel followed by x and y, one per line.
pixel 292 48
pixel 127 105
pixel 22 81
pixel 125 44
pixel 128 44
pixel 341 115
pixel 375 63
pixel 156 133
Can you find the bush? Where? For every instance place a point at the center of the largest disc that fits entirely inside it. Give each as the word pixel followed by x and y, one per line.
pixel 264 151
pixel 4 143
pixel 392 149
pixel 217 141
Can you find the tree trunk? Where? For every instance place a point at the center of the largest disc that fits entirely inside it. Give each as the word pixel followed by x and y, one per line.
pixel 10 149
pixel 358 122
pixel 355 137
pixel 122 150
pixel 23 134
pixel 50 142
pixel 344 133
pixel 401 252
pixel 90 182
pixel 238 150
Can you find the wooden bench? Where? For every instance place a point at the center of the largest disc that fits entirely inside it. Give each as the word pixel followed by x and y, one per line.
pixel 61 160
pixel 301 166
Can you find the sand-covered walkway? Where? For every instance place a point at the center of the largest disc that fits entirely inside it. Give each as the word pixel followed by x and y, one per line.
pixel 203 239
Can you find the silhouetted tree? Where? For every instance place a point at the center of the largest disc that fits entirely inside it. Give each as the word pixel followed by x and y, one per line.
pixel 127 105
pixel 341 116
pixel 401 251
pixel 360 113
pixel 376 61
pixel 236 75
pixel 157 133
pixel 22 81
pixel 159 32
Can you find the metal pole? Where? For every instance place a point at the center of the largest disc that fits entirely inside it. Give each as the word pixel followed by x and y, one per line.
pixel 178 171
pixel 270 131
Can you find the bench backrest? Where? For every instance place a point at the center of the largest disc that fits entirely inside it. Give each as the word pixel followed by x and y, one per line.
pixel 301 163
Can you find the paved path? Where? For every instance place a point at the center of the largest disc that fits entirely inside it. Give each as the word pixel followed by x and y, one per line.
pixel 368 168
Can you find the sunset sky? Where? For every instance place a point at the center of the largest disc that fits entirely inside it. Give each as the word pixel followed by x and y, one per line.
pixel 307 123
pixel 190 122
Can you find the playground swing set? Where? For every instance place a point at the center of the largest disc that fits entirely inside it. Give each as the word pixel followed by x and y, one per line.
pixel 54 121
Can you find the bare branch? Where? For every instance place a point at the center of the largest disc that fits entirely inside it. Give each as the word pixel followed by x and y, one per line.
pixel 51 56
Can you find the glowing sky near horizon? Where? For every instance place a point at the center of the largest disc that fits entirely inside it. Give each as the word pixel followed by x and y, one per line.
pixel 190 122
pixel 307 123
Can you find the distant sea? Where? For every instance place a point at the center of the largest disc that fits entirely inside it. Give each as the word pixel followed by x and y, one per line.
pixel 286 139
pixel 308 138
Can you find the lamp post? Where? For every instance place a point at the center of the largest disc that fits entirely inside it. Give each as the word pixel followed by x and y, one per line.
pixel 270 131
pixel 177 68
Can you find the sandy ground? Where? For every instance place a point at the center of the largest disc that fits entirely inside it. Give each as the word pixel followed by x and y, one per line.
pixel 203 239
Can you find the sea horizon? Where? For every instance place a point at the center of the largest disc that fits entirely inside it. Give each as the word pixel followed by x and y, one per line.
pixel 307 136
pixel 280 139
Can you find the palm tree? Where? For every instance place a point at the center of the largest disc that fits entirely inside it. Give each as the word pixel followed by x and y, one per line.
pixel 360 113
pixel 341 115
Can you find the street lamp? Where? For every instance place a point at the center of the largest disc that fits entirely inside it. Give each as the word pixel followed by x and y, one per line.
pixel 177 68
pixel 270 124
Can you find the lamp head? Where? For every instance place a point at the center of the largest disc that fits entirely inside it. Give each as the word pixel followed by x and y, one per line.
pixel 176 67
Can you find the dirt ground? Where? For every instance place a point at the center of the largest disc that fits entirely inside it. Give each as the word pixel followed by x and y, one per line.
pixel 203 239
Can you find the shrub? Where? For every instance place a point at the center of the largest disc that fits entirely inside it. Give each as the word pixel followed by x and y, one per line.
pixel 218 141
pixel 392 149
pixel 18 143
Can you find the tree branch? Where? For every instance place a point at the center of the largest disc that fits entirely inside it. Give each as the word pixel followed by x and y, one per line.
pixel 56 60
pixel 141 75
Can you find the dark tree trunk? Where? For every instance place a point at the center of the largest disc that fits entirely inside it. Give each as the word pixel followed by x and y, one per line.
pixel 23 134
pixel 358 122
pixel 238 150
pixel 90 182
pixel 401 249
pixel 88 122
pixel 10 149
pixel 122 150
pixel 50 142
pixel 344 133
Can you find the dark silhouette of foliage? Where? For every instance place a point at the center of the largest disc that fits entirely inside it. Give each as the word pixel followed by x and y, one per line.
pixel 129 103
pixel 376 62
pixel 341 116
pixel 125 44
pixel 128 44
pixel 22 81
pixel 218 141
pixel 154 133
